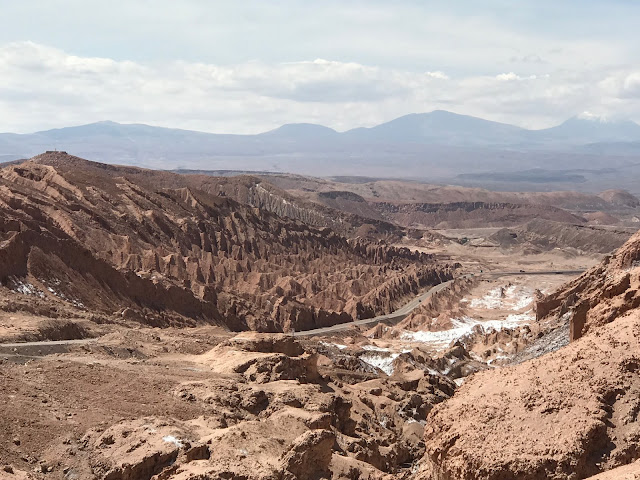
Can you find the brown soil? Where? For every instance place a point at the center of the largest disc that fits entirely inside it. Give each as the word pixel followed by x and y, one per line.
pixel 254 407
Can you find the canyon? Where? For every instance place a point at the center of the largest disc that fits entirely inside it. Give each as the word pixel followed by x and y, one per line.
pixel 158 325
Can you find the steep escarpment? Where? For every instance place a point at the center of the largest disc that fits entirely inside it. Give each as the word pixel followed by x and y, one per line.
pixel 349 202
pixel 570 414
pixel 334 215
pixel 71 228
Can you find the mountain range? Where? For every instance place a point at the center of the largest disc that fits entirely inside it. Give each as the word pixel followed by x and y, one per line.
pixel 435 145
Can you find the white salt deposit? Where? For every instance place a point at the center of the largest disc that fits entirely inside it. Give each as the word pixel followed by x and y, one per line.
pixel 513 298
pixel 381 361
pixel 174 440
pixel 464 326
pixel 375 348
pixel 339 346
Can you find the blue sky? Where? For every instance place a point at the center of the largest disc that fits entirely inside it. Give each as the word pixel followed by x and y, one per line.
pixel 250 66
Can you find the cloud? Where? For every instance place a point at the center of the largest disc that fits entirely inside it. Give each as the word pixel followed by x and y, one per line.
pixel 45 87
pixel 508 77
pixel 309 81
pixel 624 84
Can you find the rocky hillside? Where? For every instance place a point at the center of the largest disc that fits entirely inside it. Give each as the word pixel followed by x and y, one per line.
pixel 152 247
pixel 250 407
pixel 351 222
pixel 569 414
pixel 600 295
pixel 545 235
pixel 470 214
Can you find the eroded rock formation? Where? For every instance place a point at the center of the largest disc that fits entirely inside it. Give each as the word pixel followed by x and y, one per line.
pixel 600 295
pixel 152 248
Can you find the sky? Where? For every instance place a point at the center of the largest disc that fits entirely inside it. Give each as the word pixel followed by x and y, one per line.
pixel 250 66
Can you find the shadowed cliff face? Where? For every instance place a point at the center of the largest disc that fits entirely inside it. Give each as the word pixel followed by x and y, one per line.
pixel 104 237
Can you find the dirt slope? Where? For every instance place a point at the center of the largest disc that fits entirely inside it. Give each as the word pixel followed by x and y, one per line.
pixel 470 214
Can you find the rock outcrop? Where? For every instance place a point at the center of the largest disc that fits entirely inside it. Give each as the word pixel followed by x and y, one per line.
pixel 600 295
pixel 569 414
pixel 229 425
pixel 141 449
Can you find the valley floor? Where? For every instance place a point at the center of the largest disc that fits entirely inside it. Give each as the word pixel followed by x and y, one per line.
pixel 203 402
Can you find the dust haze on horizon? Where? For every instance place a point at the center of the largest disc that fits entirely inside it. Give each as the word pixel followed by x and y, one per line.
pixel 228 68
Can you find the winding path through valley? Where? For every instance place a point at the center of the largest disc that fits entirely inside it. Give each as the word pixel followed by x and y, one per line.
pixel 405 310
pixel 31 348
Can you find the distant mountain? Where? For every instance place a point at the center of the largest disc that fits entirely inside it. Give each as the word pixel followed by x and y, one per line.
pixel 441 128
pixel 300 131
pixel 584 131
pixel 435 145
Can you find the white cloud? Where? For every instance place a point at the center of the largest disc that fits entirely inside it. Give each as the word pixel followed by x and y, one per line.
pixel 592 116
pixel 438 74
pixel 44 87
pixel 508 76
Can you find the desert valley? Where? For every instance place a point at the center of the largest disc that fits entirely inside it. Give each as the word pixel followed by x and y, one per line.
pixel 159 325
pixel 336 240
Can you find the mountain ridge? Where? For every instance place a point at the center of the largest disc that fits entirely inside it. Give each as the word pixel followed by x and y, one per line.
pixel 441 144
pixel 434 114
pixel 173 253
pixel 438 113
